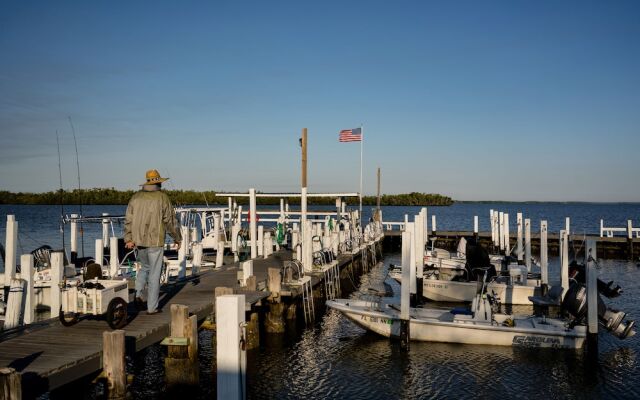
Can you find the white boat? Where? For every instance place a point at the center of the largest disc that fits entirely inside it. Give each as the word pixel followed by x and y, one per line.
pixel 513 289
pixel 481 326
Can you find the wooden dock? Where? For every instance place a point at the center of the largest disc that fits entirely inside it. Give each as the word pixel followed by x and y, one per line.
pixel 49 355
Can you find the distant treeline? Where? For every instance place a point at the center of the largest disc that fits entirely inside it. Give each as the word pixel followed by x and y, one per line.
pixel 181 197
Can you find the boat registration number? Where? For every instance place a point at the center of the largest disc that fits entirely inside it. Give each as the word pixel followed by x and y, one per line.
pixel 437 285
pixel 385 321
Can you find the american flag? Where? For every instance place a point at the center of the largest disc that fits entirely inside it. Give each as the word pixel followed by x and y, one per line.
pixel 351 135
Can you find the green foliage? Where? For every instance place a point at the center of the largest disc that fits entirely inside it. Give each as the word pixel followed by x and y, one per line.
pixel 182 197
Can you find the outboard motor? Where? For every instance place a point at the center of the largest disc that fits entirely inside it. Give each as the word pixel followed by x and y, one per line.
pixel 478 262
pixel 577 272
pixel 575 303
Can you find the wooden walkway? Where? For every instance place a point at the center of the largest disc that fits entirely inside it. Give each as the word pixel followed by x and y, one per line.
pixel 49 355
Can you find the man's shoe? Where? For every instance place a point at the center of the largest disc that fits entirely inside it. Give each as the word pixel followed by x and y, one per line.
pixel 156 311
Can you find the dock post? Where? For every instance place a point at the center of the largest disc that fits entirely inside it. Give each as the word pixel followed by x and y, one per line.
pixel 253 331
pixel 501 230
pixel 260 241
pixel 182 252
pixel 592 299
pixel 26 272
pixel 247 271
pixel 253 234
pixel 426 227
pixel 519 250
pixel 475 226
pixel 15 304
pixel 113 257
pixel 405 289
pixel 99 253
pixel 105 230
pixel 231 355
pixel 544 259
pixel 181 364
pixel 410 263
pixel 74 238
pixel 57 275
pixel 113 363
pixel 492 227
pixel 307 246
pixel 267 244
pixel 507 236
pixel 11 250
pixel 496 230
pixel 274 322
pixel 220 254
pixel 629 239
pixel 564 261
pixel 196 260
pixel 10 384
pixel 419 254
pixel 527 243
pixel 434 228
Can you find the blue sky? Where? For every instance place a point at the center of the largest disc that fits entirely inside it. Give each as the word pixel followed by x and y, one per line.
pixel 512 100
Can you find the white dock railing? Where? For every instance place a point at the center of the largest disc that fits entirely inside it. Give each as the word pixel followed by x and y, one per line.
pixel 389 226
pixel 610 231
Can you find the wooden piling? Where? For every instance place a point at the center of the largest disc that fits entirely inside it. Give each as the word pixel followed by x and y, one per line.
pixel 57 275
pixel 231 357
pixel 222 290
pixel 11 250
pixel 527 243
pixel 26 272
pixel 405 295
pixel 544 258
pixel 114 263
pixel 253 332
pixel 629 239
pixel 181 364
pixel 251 283
pixel 519 251
pixel 592 298
pixel 10 384
pixel 15 304
pixel 274 283
pixel 113 363
pixel 274 322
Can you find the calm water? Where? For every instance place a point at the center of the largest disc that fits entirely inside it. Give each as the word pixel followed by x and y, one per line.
pixel 334 359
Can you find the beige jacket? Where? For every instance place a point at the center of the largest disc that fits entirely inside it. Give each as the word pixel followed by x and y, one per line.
pixel 149 217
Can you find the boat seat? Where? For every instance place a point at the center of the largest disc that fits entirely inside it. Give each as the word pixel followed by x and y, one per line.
pixel 552 298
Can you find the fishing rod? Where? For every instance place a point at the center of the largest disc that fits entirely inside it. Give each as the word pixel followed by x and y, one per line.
pixel 61 192
pixel 73 130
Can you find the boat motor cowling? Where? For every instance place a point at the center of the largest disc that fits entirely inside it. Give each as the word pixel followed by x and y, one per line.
pixel 575 303
pixel 577 272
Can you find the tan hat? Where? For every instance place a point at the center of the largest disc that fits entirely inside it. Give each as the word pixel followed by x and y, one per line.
pixel 153 177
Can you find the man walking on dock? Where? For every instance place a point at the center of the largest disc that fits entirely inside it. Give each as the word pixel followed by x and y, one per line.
pixel 150 216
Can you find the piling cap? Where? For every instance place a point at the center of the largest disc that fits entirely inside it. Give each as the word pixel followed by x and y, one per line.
pixel 153 177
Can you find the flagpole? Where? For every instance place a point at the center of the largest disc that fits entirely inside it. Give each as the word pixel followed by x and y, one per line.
pixel 361 152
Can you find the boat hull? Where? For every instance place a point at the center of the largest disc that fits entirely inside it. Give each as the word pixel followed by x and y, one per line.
pixel 453 291
pixel 456 291
pixel 436 328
